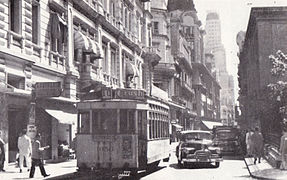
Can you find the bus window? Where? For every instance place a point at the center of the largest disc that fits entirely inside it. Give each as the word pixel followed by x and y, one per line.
pixel 85 123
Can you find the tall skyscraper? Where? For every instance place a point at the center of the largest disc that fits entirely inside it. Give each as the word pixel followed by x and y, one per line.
pixel 213 45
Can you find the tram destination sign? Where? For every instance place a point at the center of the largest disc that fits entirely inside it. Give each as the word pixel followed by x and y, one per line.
pixel 48 89
pixel 133 94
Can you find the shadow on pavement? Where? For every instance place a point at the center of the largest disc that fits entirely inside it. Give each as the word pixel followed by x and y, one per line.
pixel 194 166
pixel 143 173
pixel 229 157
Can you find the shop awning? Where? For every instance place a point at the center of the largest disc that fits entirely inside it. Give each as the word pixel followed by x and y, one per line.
pixel 177 126
pixel 210 124
pixel 63 117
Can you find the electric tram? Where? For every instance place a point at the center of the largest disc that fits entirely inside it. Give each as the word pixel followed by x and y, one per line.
pixel 122 129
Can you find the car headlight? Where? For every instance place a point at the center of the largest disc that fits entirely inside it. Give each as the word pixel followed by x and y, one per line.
pixel 218 151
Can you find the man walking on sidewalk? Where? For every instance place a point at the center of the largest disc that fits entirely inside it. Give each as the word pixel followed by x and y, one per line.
pixel 25 150
pixel 37 156
pixel 257 141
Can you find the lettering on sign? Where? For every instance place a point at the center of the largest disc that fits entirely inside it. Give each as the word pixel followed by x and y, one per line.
pixel 133 94
pixel 48 89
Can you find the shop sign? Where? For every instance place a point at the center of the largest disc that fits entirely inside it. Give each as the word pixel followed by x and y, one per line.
pixel 133 94
pixel 48 89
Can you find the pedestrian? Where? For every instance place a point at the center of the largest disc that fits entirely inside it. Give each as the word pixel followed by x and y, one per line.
pixel 2 153
pixel 283 150
pixel 249 147
pixel 37 156
pixel 257 141
pixel 25 150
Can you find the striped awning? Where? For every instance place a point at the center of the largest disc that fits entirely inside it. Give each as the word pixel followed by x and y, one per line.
pixel 81 41
pixel 95 48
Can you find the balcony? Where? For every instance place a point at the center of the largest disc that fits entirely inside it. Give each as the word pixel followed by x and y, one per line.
pixel 178 100
pixel 187 86
pixel 168 68
pixel 151 55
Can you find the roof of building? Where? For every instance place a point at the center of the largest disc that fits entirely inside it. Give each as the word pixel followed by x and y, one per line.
pixel 186 5
pixel 212 16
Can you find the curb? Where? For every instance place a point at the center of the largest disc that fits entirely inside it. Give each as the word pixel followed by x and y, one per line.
pixel 252 174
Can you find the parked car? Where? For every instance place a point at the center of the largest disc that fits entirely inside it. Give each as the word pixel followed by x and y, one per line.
pixel 227 139
pixel 196 146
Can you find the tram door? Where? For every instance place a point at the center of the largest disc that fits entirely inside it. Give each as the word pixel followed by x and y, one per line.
pixel 142 126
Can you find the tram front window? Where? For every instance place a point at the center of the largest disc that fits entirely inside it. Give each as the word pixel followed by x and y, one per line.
pixel 104 121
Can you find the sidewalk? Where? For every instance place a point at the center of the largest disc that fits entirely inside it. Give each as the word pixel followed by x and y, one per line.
pixel 54 169
pixel 264 170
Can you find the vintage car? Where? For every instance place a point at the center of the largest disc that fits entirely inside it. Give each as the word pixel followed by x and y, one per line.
pixel 227 139
pixel 196 146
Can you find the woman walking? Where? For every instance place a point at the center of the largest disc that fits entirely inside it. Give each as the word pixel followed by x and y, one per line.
pixel 257 141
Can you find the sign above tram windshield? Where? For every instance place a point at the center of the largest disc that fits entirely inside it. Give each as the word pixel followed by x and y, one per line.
pixel 133 94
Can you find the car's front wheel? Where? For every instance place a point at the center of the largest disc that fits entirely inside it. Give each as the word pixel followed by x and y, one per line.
pixel 217 164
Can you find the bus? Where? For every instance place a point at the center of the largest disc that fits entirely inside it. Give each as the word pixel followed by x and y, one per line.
pixel 122 129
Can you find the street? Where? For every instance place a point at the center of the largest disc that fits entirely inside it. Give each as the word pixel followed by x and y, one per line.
pixel 230 168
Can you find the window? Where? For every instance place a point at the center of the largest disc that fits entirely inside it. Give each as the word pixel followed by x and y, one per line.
pixel 84 123
pixel 112 8
pixel 35 22
pixel 130 21
pixel 113 62
pixel 58 32
pixel 105 60
pixel 107 121
pixel 127 121
pixel 15 16
pixel 126 18
pixel 16 81
pixel 123 68
pixel 155 28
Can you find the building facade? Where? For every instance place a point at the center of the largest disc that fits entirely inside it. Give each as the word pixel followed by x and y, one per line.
pixel 182 70
pixel 66 49
pixel 214 46
pixel 265 35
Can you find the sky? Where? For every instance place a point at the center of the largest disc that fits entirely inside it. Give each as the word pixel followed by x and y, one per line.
pixel 234 16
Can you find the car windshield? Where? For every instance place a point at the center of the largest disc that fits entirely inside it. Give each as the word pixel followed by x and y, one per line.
pixel 196 136
pixel 226 134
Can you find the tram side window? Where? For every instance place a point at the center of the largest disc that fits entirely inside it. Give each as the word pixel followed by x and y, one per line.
pixel 84 123
pixel 108 121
